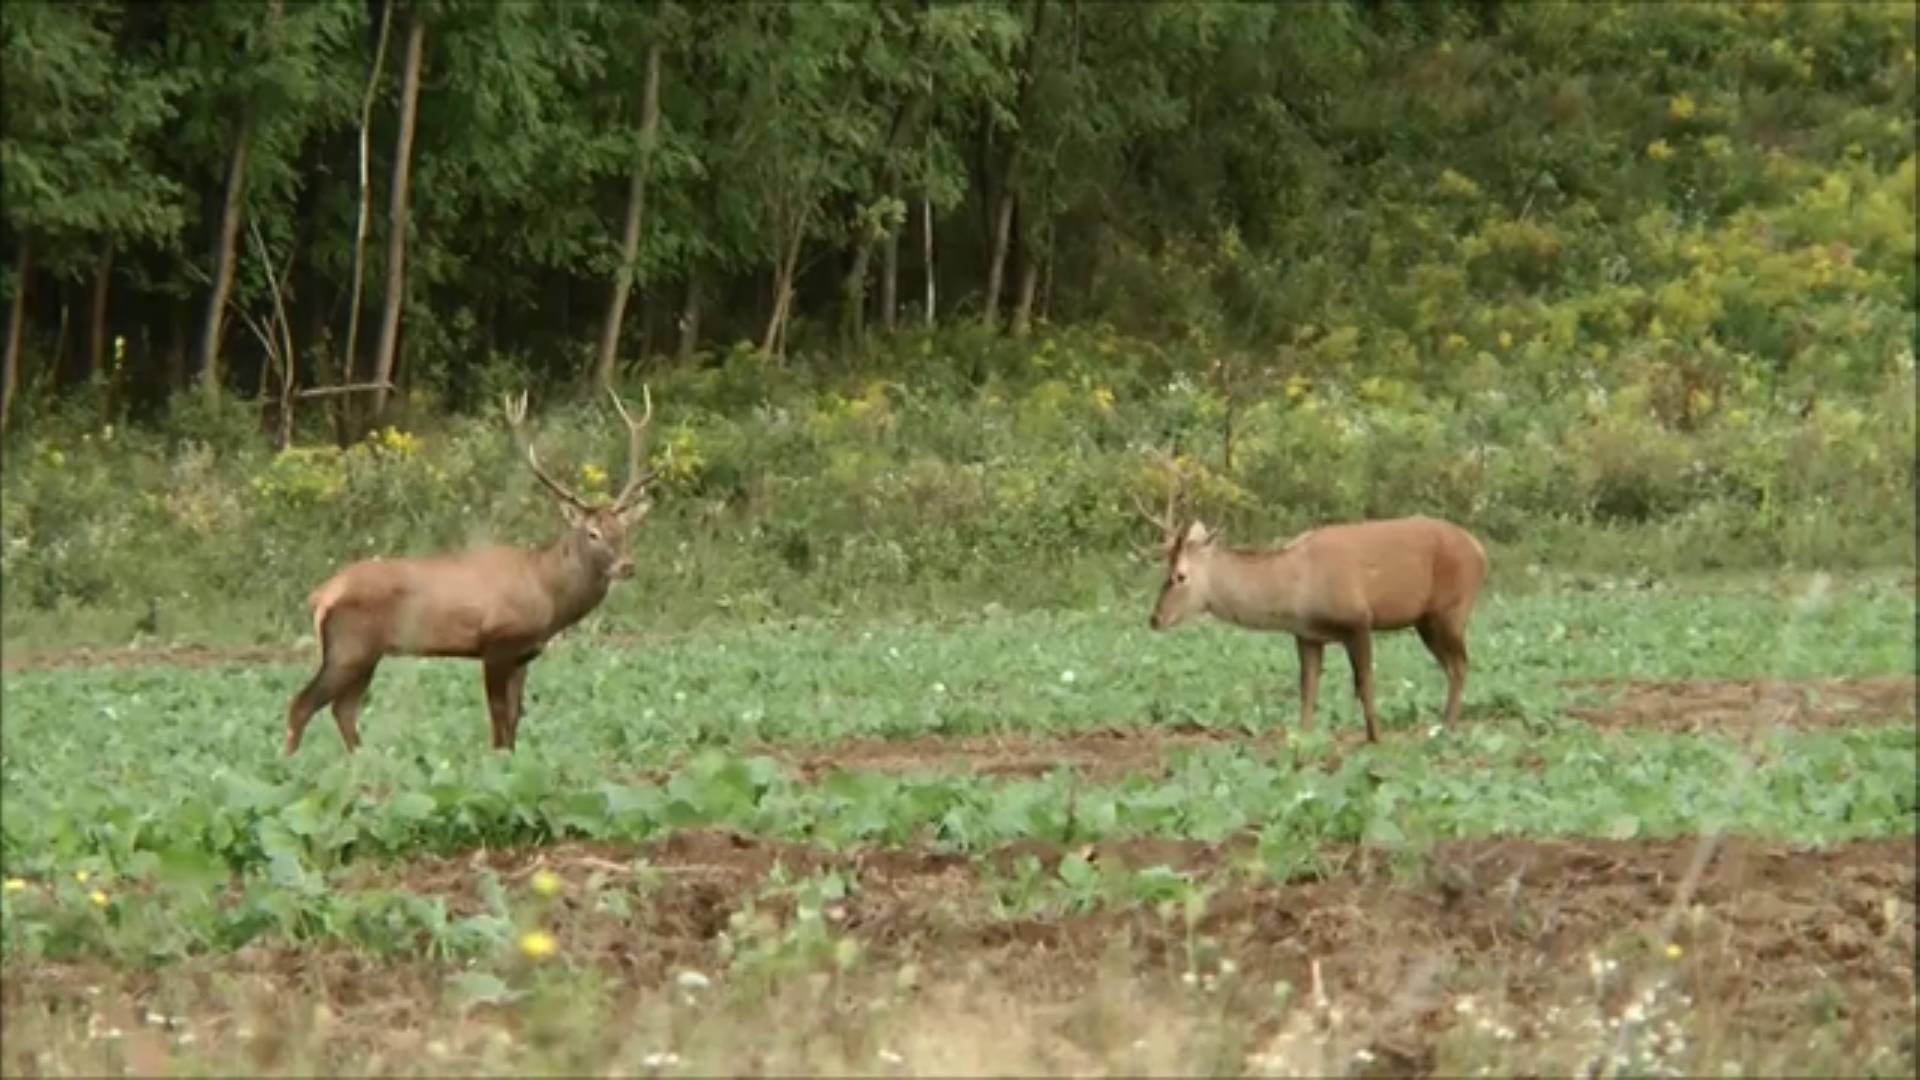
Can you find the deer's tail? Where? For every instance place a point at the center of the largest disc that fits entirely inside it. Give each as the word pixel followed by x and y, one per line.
pixel 320 602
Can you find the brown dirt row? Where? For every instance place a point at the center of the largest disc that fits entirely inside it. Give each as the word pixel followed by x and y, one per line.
pixel 1697 705
pixel 1772 935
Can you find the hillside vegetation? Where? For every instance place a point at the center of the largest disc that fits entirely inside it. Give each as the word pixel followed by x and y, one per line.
pixel 1625 288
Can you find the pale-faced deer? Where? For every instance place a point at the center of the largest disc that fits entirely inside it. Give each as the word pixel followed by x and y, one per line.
pixel 499 605
pixel 1335 583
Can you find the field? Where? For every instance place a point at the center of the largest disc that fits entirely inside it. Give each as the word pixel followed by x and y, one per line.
pixel 1672 834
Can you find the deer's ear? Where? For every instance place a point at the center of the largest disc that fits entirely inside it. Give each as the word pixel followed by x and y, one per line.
pixel 572 513
pixel 632 515
pixel 1197 536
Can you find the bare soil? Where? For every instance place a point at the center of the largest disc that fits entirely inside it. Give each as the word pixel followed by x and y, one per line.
pixel 1769 938
pixel 190 656
pixel 1099 754
pixel 1733 705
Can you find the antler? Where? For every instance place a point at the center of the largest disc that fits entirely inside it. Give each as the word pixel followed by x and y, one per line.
pixel 1163 521
pixel 516 410
pixel 638 480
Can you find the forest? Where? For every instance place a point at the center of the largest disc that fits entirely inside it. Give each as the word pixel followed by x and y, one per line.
pixel 1561 271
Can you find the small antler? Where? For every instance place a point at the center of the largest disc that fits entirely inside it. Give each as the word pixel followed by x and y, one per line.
pixel 516 410
pixel 638 479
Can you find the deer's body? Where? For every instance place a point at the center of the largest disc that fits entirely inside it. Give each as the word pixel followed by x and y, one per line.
pixel 497 604
pixel 1337 583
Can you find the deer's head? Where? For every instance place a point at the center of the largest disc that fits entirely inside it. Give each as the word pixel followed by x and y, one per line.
pixel 1185 551
pixel 597 533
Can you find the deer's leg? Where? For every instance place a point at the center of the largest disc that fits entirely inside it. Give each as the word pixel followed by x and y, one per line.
pixel 1312 654
pixel 1360 654
pixel 335 676
pixel 516 688
pixel 1447 643
pixel 498 675
pixel 346 707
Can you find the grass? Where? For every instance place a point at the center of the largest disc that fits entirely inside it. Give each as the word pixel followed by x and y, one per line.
pixel 339 902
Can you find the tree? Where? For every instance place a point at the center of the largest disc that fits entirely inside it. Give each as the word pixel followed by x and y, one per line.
pixel 623 275
pixel 397 193
pixel 72 173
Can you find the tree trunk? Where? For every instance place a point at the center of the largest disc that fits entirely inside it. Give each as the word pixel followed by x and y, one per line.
pixel 1029 284
pixel 890 278
pixel 690 318
pixel 223 259
pixel 997 264
pixel 97 317
pixel 926 251
pixel 630 234
pixel 774 343
pixel 397 212
pixel 350 360
pixel 1006 197
pixel 853 295
pixel 16 329
pixel 179 315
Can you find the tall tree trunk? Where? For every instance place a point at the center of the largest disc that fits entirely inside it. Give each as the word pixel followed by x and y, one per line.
pixel 926 251
pixel 1029 284
pixel 853 295
pixel 890 277
pixel 179 315
pixel 1006 197
pixel 214 322
pixel 630 233
pixel 97 317
pixel 690 317
pixel 397 211
pixel 997 263
pixel 774 343
pixel 350 359
pixel 16 329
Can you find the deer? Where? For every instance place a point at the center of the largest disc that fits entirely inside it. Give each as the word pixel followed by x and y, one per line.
pixel 497 604
pixel 1336 583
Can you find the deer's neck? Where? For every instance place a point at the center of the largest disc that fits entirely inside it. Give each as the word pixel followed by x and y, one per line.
pixel 1260 589
pixel 573 583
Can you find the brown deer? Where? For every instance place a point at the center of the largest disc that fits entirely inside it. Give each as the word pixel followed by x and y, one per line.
pixel 1334 583
pixel 499 605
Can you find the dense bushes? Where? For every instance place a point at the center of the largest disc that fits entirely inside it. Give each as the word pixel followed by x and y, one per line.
pixel 871 492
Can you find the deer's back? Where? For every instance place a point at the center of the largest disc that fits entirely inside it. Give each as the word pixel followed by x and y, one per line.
pixel 1397 569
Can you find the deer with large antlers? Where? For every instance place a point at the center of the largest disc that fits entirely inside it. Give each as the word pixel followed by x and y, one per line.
pixel 1337 583
pixel 499 605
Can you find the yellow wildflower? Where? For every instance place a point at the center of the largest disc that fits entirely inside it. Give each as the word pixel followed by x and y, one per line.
pixel 546 882
pixel 1681 107
pixel 1103 399
pixel 1673 951
pixel 1506 340
pixel 1658 150
pixel 537 944
pixel 81 876
pixel 1453 183
pixel 99 898
pixel 1455 342
pixel 15 884
pixel 593 475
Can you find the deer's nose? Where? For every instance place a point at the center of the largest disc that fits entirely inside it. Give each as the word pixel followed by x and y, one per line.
pixel 623 568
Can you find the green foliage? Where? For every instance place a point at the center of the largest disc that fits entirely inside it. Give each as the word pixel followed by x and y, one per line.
pixel 155 781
